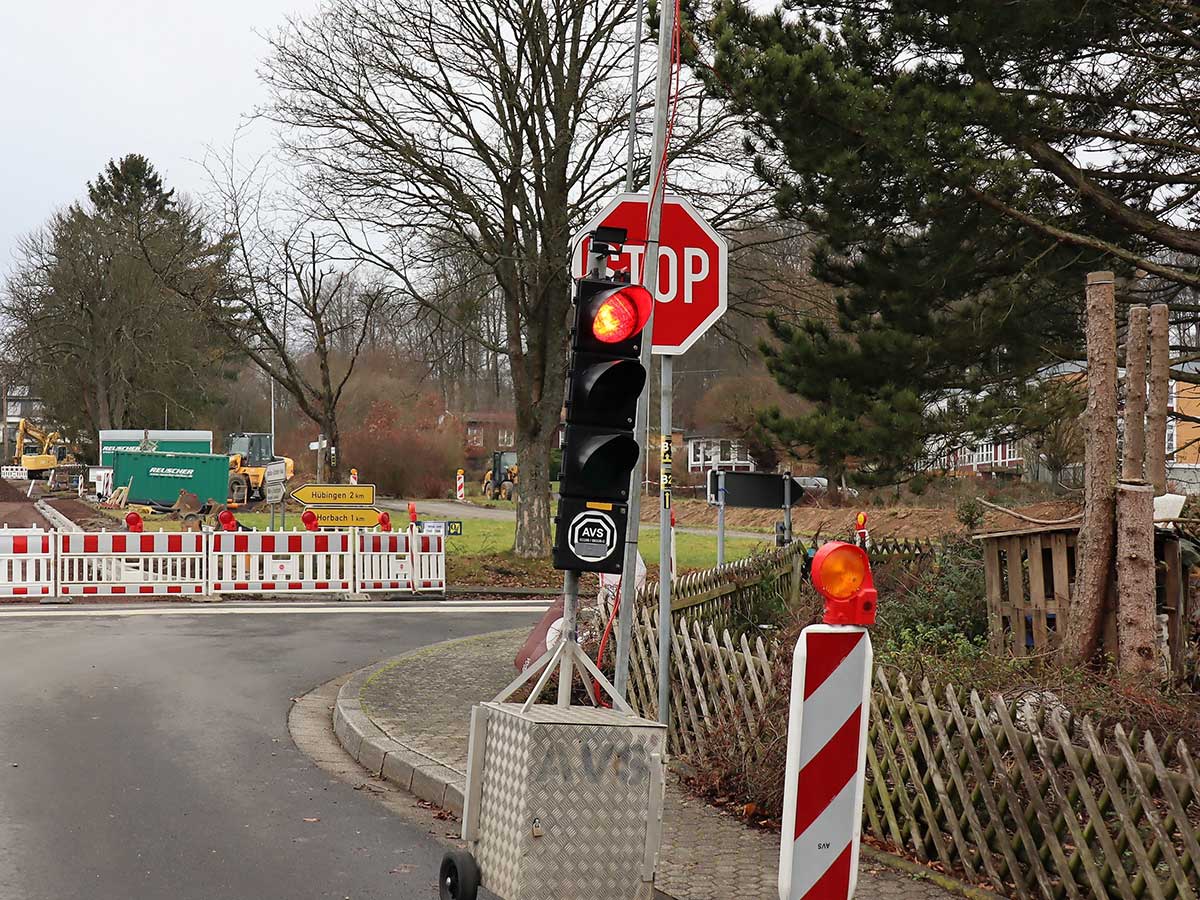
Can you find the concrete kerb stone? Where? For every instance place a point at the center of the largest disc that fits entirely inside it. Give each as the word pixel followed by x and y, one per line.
pixel 423 776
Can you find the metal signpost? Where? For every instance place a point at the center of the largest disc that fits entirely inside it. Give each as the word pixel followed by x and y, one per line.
pixel 339 505
pixel 274 488
pixel 752 490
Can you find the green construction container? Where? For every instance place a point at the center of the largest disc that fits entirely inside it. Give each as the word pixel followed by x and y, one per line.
pixel 159 477
pixel 164 441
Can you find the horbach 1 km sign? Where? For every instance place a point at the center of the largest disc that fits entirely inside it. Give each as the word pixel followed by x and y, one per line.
pixel 335 494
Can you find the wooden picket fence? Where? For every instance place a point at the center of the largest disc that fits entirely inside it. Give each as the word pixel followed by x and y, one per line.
pixel 1015 794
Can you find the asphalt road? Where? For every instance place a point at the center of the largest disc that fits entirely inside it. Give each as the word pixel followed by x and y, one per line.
pixel 147 757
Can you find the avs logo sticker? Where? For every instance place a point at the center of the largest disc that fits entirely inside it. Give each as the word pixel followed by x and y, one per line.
pixel 592 536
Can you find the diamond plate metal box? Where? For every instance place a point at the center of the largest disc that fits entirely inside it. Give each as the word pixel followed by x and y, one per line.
pixel 564 803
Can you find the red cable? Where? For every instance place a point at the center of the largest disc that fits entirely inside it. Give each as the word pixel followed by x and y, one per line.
pixel 604 643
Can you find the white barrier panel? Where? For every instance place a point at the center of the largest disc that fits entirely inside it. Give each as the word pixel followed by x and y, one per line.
pixel 14 473
pixel 429 561
pixel 382 562
pixel 130 564
pixel 26 563
pixel 279 562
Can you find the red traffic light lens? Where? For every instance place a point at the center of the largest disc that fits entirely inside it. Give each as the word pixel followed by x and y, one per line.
pixel 309 518
pixel 228 520
pixel 134 522
pixel 616 319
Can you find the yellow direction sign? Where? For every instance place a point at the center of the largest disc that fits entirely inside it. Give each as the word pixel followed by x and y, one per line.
pixel 335 494
pixel 346 516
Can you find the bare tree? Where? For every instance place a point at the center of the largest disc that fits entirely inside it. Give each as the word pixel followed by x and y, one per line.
pixel 282 294
pixel 486 127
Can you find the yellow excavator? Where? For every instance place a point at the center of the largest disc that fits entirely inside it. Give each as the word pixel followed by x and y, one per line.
pixel 51 453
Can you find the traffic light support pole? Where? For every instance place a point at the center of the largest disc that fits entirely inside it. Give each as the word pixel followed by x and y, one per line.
pixel 662 87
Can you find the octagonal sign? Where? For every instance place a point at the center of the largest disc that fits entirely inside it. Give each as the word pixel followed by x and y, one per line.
pixel 693 266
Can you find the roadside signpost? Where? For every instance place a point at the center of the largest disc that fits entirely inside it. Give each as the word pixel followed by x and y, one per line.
pixel 274 492
pixel 340 505
pixel 460 485
pixel 752 490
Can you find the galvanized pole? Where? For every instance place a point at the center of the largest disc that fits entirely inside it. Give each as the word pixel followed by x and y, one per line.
pixel 665 575
pixel 320 455
pixel 720 518
pixel 633 93
pixel 787 507
pixel 642 421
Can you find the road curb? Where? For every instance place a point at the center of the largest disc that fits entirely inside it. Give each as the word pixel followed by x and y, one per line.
pixel 427 778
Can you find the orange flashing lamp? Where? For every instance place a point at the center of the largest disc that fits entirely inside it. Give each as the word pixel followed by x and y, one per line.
pixel 841 573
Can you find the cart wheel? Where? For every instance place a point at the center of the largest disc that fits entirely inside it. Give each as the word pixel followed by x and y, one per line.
pixel 459 878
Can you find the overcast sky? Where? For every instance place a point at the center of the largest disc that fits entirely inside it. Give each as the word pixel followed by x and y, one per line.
pixel 84 81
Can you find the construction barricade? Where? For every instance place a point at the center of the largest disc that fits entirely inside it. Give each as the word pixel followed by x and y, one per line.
pixel 26 563
pixel 429 561
pixel 53 564
pixel 118 564
pixel 382 562
pixel 241 562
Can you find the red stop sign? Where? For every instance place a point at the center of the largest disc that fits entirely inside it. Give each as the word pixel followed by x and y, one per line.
pixel 693 266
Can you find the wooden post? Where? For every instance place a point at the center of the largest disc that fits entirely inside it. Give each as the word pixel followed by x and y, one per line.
pixel 4 420
pixel 1133 460
pixel 1095 546
pixel 1156 413
pixel 1137 620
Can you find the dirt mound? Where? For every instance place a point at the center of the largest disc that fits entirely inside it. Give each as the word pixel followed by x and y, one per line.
pixel 10 493
pixel 83 515
pixel 21 515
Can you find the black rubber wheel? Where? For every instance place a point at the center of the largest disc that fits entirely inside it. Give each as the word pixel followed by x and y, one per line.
pixel 459 878
pixel 239 489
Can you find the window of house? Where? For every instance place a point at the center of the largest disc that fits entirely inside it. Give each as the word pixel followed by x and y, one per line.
pixel 474 436
pixel 1171 423
pixel 505 439
pixel 695 454
pixel 743 452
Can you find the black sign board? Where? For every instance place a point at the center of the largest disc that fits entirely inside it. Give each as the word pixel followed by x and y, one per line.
pixel 589 535
pixel 754 490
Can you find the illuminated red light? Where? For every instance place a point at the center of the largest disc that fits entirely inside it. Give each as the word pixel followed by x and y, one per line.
pixel 309 518
pixel 616 319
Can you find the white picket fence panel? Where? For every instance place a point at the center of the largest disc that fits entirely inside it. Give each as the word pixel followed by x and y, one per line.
pixel 26 563
pixel 120 564
pixel 14 473
pixel 49 564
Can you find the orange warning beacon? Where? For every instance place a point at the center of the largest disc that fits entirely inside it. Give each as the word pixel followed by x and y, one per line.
pixel 841 573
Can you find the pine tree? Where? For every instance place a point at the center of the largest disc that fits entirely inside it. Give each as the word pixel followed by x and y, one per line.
pixel 963 164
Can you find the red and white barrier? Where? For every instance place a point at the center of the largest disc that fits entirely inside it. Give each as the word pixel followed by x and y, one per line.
pixel 46 564
pixel 242 562
pixel 825 771
pixel 429 561
pixel 26 563
pixel 827 747
pixel 383 562
pixel 118 564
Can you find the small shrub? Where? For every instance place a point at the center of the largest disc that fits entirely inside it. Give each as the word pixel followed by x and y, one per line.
pixel 969 511
pixel 918 484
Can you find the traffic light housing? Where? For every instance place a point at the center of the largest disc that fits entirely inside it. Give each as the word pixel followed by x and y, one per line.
pixel 600 450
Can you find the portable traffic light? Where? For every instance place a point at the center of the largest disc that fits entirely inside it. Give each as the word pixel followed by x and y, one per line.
pixel 600 450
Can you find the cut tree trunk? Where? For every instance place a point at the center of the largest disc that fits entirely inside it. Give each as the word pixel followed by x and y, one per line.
pixel 1156 413
pixel 1133 462
pixel 1137 621
pixel 1095 549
